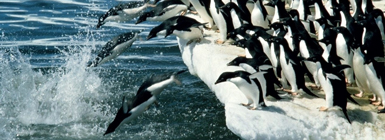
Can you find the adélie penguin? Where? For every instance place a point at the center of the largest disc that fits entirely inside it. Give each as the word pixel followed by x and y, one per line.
pixel 145 96
pixel 291 68
pixel 114 48
pixel 202 7
pixel 236 14
pixel 163 10
pixel 333 84
pixel 252 89
pixel 223 21
pixel 178 25
pixel 124 12
pixel 259 15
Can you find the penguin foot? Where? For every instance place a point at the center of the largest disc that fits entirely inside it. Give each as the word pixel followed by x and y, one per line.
pixel 219 41
pixel 183 12
pixel 193 40
pixel 293 93
pixel 252 108
pixel 376 103
pixel 245 104
pixel 315 87
pixel 194 12
pixel 217 31
pixel 262 104
pixel 349 84
pixel 242 55
pixel 381 107
pixel 381 111
pixel 373 99
pixel 322 108
pixel 151 5
pixel 359 95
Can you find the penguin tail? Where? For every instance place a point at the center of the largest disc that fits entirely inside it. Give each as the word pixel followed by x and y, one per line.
pixel 305 89
pixel 346 115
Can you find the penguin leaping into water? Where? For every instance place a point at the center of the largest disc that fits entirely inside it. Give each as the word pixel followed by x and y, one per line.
pixel 123 12
pixel 114 48
pixel 145 96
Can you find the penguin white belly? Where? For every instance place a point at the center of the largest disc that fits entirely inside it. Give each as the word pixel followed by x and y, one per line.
pixel 375 84
pixel 343 20
pixel 236 20
pixel 326 52
pixel 247 53
pixel 327 87
pixel 289 39
pixel 359 71
pixel 119 49
pixel 320 33
pixel 265 47
pixel 276 15
pixel 195 33
pixel 257 17
pixel 134 12
pixel 294 4
pixel 274 60
pixel 249 90
pixel 202 12
pixel 219 21
pixel 347 58
pixel 261 78
pixel 138 110
pixel 288 71
pixel 176 9
pixel 247 68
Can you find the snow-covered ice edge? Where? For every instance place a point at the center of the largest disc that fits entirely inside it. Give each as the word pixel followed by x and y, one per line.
pixel 291 118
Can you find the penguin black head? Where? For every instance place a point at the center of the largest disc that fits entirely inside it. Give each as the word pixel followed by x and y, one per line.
pixel 276 25
pixel 120 116
pixel 228 75
pixel 144 16
pixel 325 40
pixel 315 58
pixel 237 61
pixel 294 14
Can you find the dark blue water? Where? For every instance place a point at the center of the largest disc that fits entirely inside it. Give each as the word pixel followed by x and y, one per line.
pixel 46 92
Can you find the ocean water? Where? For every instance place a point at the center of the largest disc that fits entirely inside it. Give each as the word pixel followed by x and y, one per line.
pixel 46 92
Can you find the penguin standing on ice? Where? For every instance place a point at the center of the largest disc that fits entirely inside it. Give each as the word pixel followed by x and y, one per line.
pixel 236 14
pixel 124 12
pixel 223 21
pixel 260 65
pixel 344 42
pixel 252 89
pixel 333 84
pixel 145 96
pixel 202 7
pixel 291 68
pixel 114 48
pixel 259 15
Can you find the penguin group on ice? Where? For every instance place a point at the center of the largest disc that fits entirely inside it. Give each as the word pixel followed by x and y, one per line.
pixel 339 44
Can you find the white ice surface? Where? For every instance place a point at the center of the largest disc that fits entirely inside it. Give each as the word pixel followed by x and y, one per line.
pixel 293 118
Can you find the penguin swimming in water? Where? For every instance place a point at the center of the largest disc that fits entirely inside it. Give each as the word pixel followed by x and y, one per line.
pixel 114 48
pixel 145 96
pixel 163 10
pixel 252 89
pixel 124 12
pixel 333 84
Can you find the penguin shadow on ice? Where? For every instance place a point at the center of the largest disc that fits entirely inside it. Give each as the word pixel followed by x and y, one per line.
pixel 145 96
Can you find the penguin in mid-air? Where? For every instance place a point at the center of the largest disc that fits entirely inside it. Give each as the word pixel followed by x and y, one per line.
pixel 177 25
pixel 124 12
pixel 332 81
pixel 252 89
pixel 163 10
pixel 114 48
pixel 145 96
